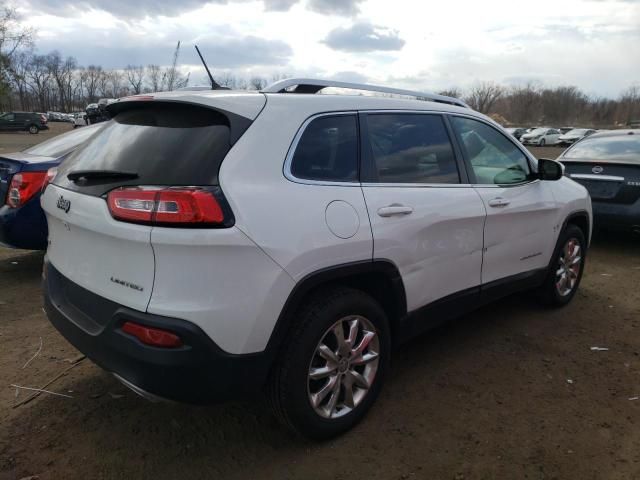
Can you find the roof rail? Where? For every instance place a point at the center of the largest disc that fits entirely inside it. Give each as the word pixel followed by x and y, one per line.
pixel 310 85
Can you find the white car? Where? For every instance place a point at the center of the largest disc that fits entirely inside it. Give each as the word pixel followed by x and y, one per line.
pixel 206 245
pixel 572 136
pixel 541 136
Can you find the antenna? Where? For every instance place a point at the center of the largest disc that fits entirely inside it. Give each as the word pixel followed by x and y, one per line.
pixel 214 85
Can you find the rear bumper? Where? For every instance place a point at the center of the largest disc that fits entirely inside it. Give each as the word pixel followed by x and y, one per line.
pixel 198 372
pixel 616 215
pixel 24 227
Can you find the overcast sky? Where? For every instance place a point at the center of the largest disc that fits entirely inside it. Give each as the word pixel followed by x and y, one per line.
pixel 418 44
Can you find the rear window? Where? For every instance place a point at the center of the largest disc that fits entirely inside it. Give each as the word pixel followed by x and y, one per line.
pixel 62 144
pixel 622 147
pixel 164 144
pixel 328 150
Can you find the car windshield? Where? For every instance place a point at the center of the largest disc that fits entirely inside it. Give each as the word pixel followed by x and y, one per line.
pixel 619 147
pixel 539 131
pixel 62 144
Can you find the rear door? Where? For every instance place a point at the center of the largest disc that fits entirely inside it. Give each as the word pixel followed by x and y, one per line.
pixel 156 144
pixel 8 121
pixel 519 233
pixel 425 216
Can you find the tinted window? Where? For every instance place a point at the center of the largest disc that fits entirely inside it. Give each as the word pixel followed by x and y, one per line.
pixel 8 116
pixel 411 148
pixel 61 144
pixel 619 147
pixel 328 150
pixel 493 157
pixel 164 144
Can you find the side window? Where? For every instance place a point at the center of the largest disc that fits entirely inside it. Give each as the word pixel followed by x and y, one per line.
pixel 8 117
pixel 411 148
pixel 328 150
pixel 494 158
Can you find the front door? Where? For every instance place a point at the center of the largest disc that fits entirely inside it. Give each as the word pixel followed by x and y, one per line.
pixel 425 217
pixel 520 230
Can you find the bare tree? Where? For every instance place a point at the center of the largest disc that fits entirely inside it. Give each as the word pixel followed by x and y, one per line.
pixel 257 83
pixel 173 78
pixel 454 92
pixel 154 75
pixel 135 77
pixel 483 96
pixel 13 36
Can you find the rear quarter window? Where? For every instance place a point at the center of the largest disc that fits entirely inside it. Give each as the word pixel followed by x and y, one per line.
pixel 328 150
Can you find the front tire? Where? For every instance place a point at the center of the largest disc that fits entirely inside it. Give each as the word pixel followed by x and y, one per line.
pixel 542 142
pixel 33 129
pixel 333 364
pixel 567 266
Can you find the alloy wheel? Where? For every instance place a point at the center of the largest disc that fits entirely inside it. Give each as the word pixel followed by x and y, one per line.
pixel 569 265
pixel 343 367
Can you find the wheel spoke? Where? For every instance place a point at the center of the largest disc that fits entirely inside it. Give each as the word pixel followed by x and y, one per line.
pixel 333 400
pixel 321 372
pixel 353 332
pixel 317 398
pixel 328 354
pixel 338 331
pixel 359 380
pixel 364 343
pixel 348 392
pixel 364 359
pixel 576 260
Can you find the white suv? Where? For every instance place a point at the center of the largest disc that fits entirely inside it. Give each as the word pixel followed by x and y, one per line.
pixel 207 245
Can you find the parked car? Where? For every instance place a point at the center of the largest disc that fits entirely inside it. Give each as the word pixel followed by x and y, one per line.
pixel 516 132
pixel 206 245
pixel 23 121
pixel 541 136
pixel 22 176
pixel 575 135
pixel 608 165
pixel 79 120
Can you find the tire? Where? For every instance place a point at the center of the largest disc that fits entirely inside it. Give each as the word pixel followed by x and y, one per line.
pixel 553 293
pixel 33 129
pixel 542 142
pixel 292 388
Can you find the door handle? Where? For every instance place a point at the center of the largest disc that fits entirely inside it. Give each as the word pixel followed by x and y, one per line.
pixel 394 209
pixel 499 202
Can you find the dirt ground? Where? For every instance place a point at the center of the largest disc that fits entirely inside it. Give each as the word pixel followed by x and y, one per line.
pixel 512 391
pixel 16 141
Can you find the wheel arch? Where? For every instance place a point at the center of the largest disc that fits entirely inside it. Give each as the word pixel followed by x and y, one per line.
pixel 379 278
pixel 581 220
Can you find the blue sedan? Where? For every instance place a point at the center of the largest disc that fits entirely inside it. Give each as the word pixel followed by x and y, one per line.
pixel 23 175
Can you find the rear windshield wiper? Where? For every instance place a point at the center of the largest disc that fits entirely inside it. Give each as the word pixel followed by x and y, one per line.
pixel 100 174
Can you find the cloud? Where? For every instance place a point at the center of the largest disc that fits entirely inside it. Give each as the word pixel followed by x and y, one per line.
pixel 335 7
pixel 126 9
pixel 279 5
pixel 364 37
pixel 222 50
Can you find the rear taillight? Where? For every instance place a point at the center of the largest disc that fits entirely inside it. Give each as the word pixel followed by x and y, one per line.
pixel 24 186
pixel 51 174
pixel 152 336
pixel 172 206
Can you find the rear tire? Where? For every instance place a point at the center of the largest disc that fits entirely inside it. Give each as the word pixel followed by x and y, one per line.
pixel 565 271
pixel 33 129
pixel 321 386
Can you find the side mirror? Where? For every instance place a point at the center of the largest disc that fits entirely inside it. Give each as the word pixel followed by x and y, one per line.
pixel 550 169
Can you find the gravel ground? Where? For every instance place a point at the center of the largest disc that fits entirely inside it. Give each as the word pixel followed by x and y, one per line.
pixel 510 391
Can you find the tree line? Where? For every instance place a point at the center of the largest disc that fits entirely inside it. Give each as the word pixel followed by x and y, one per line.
pixel 31 81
